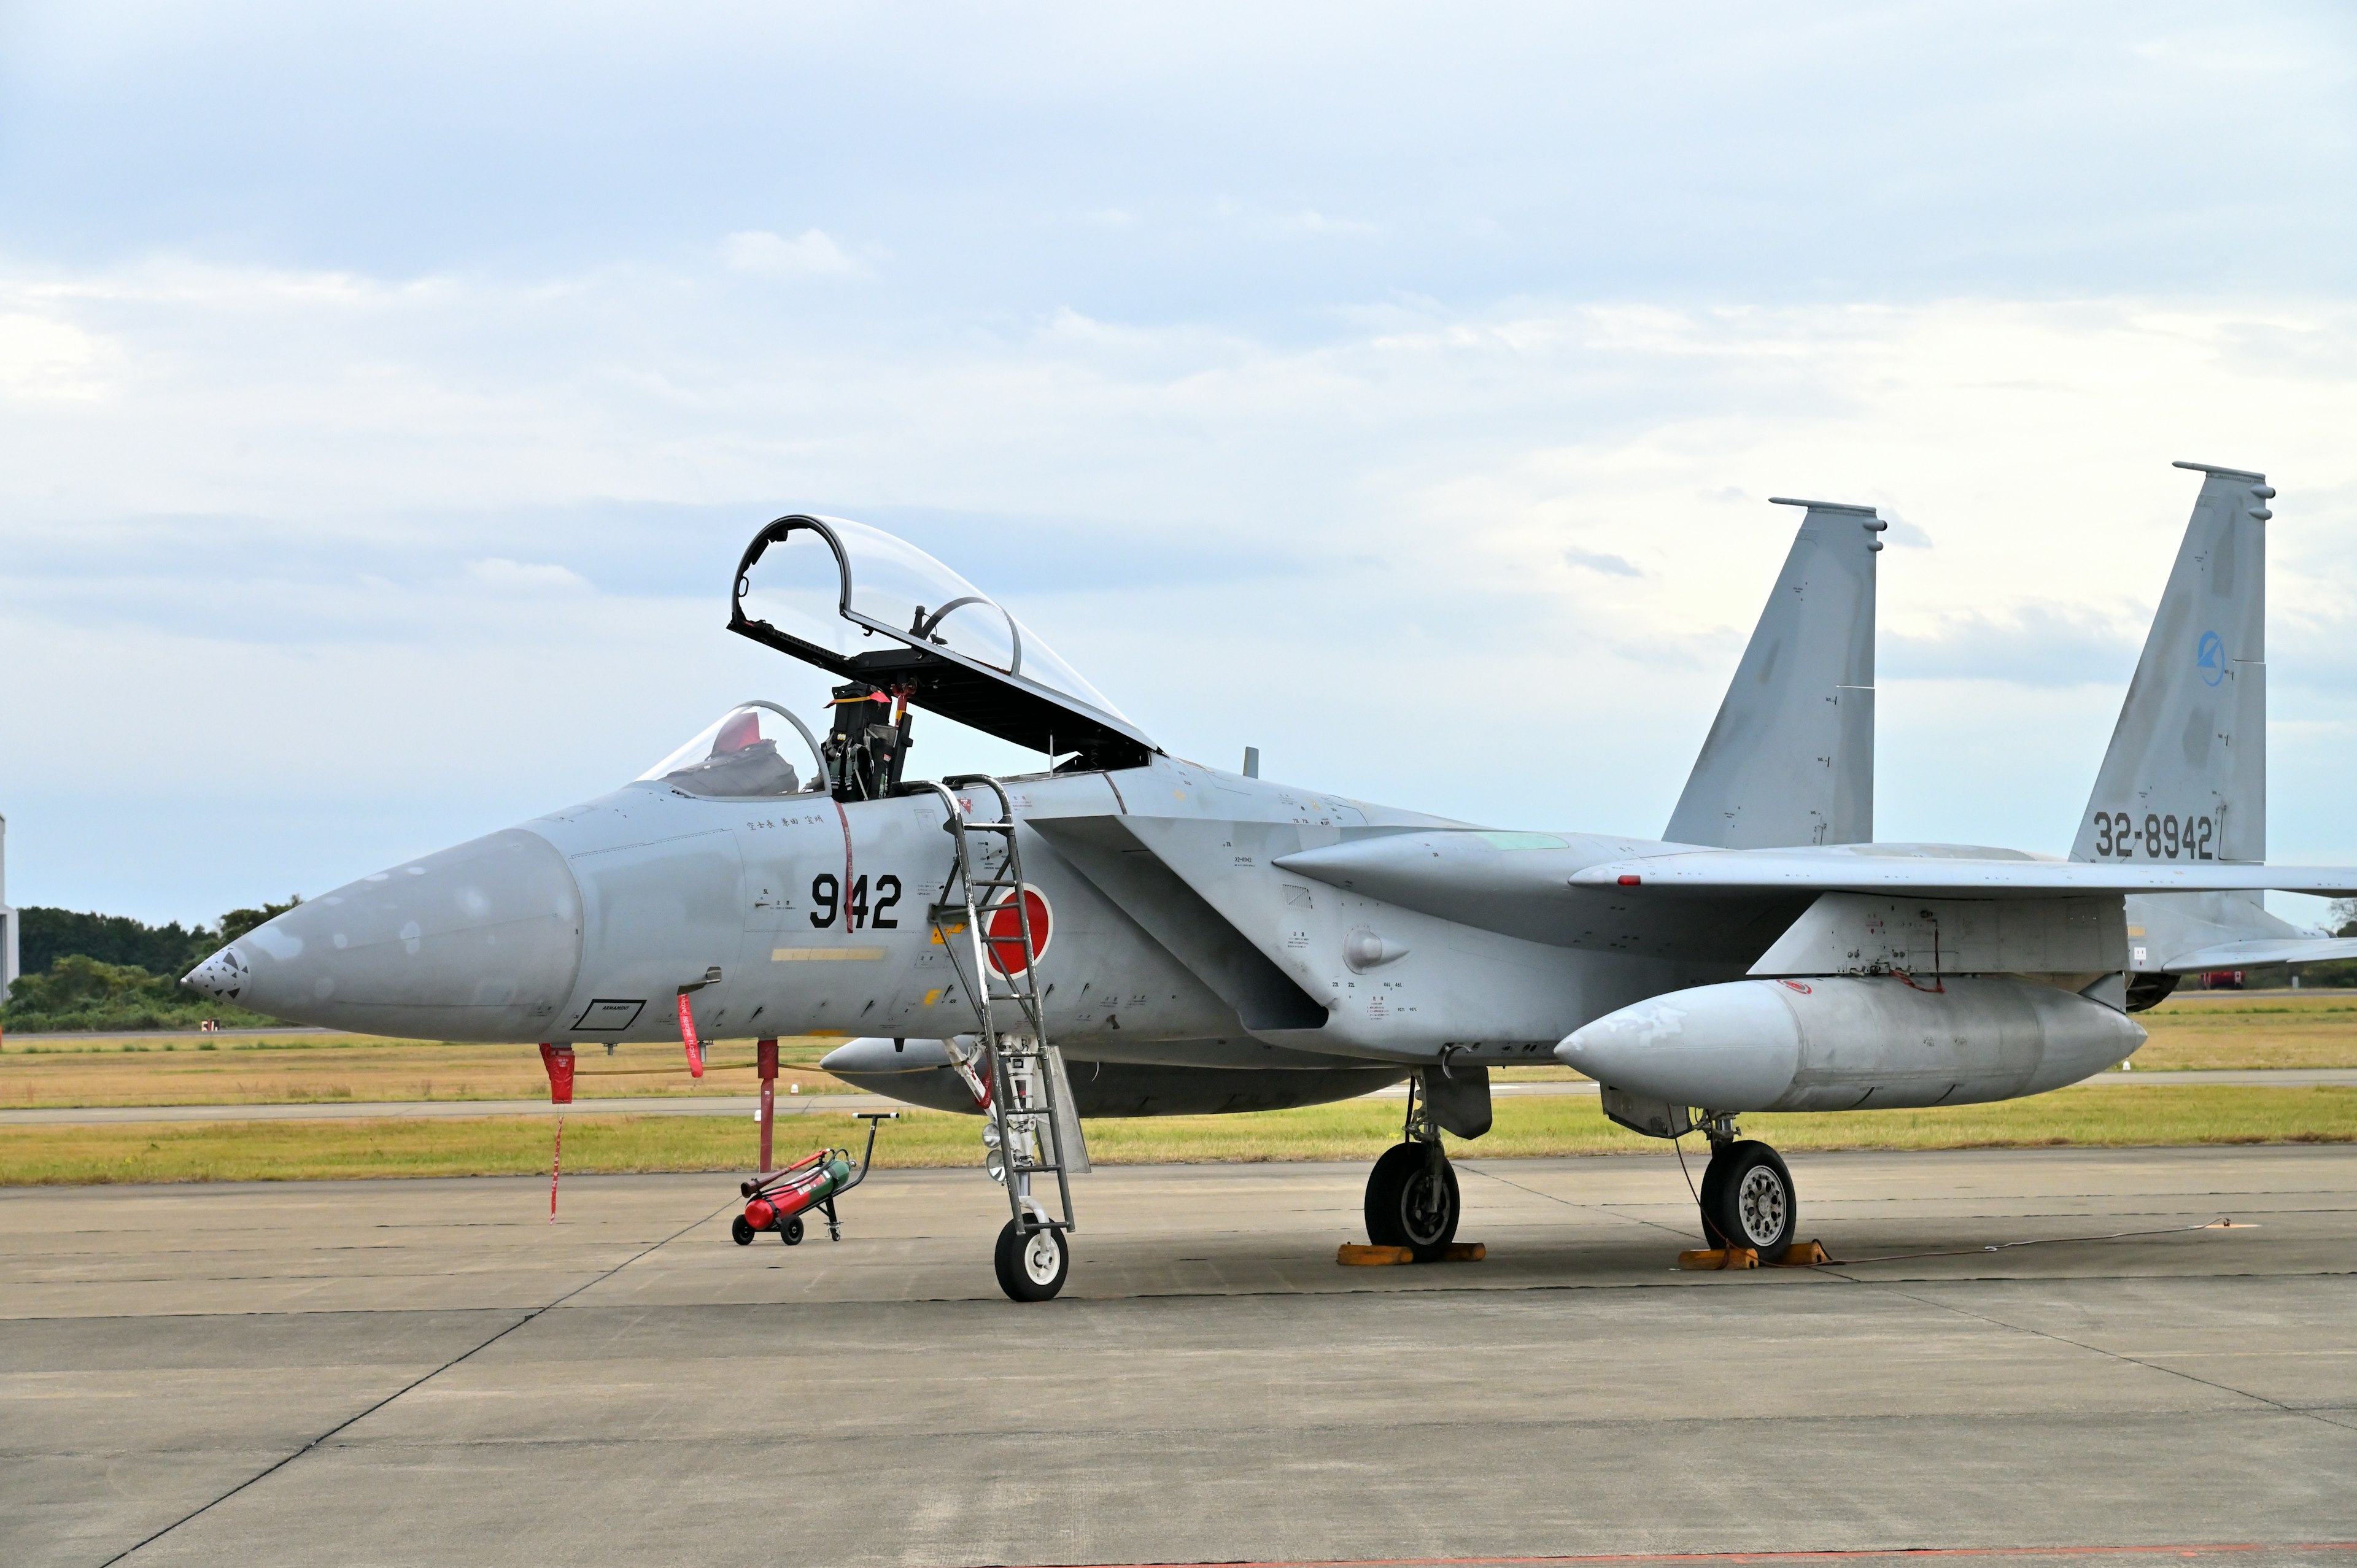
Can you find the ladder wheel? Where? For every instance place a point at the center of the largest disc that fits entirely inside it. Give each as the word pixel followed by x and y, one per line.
pixel 1033 1267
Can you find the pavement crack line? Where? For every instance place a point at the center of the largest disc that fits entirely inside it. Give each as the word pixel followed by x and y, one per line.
pixel 1833 1270
pixel 1610 1211
pixel 416 1383
pixel 2093 1350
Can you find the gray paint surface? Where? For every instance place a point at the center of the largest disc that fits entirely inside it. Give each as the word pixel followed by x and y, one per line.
pixel 627 1387
pixel 2191 737
pixel 1790 759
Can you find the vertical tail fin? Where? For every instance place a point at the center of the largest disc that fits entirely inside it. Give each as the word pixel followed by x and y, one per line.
pixel 2186 778
pixel 1790 760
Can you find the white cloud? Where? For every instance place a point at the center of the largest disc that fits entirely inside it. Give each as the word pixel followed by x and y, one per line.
pixel 524 578
pixel 1903 533
pixel 1596 561
pixel 46 359
pixel 812 254
pixel 1307 221
pixel 2030 645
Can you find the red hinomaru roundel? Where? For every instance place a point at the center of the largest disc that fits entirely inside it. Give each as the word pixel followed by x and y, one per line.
pixel 1002 933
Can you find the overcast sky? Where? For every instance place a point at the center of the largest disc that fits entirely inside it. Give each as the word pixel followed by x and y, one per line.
pixel 386 393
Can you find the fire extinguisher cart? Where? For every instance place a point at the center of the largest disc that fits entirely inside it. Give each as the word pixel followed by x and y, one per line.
pixel 778 1201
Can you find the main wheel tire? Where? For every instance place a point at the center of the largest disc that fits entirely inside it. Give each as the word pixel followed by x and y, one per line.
pixel 793 1231
pixel 1382 1203
pixel 1032 1267
pixel 740 1230
pixel 1407 1205
pixel 1714 1177
pixel 1753 1204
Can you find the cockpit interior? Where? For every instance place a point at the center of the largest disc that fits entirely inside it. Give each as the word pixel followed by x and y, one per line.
pixel 901 631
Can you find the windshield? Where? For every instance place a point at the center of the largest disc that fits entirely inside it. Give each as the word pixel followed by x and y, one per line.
pixel 754 748
pixel 886 584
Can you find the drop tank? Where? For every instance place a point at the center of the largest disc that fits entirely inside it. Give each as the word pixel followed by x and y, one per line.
pixel 1850 1043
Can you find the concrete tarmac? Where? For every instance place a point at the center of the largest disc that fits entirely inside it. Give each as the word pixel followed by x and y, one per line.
pixel 428 1371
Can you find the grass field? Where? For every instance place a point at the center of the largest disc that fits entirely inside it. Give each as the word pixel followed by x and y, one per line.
pixel 282 1069
pixel 2251 1029
pixel 2212 1029
pixel 2117 1113
pixel 2198 1030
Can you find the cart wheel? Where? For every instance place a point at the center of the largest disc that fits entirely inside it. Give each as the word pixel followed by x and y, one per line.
pixel 740 1230
pixel 793 1231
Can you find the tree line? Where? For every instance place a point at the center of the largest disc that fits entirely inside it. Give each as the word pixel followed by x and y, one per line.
pixel 88 970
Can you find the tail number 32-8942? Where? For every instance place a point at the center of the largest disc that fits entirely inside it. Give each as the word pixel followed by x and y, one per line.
pixel 2118 835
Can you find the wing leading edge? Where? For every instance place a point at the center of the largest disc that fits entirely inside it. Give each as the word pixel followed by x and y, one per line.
pixel 1576 890
pixel 1935 870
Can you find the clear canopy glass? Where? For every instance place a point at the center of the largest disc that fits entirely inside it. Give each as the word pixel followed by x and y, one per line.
pixel 886 584
pixel 754 750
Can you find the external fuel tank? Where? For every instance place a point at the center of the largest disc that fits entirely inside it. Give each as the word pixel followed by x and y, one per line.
pixel 1850 1043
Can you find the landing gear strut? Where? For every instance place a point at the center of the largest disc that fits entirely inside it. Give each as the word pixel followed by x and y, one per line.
pixel 1412 1192
pixel 1748 1197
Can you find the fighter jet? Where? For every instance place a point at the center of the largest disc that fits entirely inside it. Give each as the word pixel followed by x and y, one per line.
pixel 1128 933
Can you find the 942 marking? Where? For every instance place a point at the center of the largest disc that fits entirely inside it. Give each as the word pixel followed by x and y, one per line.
pixel 2120 836
pixel 826 892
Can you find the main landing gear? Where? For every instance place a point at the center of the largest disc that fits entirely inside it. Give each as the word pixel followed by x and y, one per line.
pixel 1412 1192
pixel 1748 1198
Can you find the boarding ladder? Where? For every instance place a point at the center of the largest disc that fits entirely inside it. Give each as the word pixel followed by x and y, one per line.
pixel 1029 1095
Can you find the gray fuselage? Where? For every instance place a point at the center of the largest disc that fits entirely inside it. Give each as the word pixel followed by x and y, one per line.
pixel 1173 938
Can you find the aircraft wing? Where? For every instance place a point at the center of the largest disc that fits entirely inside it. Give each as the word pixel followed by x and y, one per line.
pixel 1939 872
pixel 2249 954
pixel 1634 897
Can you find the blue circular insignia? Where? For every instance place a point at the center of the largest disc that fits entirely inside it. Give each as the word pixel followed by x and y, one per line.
pixel 2210 658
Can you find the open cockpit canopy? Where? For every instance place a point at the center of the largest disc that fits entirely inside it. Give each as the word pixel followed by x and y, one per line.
pixel 870 608
pixel 755 749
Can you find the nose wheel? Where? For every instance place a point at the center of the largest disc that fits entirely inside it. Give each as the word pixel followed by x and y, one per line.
pixel 1031 1267
pixel 1748 1198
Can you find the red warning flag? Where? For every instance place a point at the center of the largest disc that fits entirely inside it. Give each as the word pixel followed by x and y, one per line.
pixel 687 1037
pixel 558 1060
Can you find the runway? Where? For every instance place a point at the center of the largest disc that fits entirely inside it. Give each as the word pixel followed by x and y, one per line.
pixel 429 1372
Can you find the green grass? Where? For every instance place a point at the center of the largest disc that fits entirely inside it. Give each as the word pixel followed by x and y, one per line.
pixel 2109 1115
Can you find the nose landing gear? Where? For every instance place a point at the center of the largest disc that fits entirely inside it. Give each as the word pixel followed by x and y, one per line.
pixel 1031 1267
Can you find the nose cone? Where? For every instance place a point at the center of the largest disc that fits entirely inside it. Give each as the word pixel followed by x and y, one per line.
pixel 479 943
pixel 223 977
pixel 1730 1048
